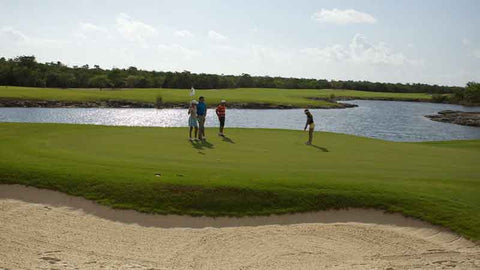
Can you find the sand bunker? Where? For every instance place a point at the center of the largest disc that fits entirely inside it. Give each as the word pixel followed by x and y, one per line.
pixel 41 229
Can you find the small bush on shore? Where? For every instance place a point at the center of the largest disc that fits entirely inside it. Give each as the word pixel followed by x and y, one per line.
pixel 472 93
pixel 439 98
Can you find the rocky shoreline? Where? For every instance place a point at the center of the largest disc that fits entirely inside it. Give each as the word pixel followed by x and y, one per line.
pixel 25 103
pixel 457 117
pixel 387 99
pixel 372 98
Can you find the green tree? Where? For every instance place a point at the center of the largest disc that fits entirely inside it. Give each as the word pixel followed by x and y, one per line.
pixel 472 93
pixel 245 80
pixel 26 61
pixel 131 81
pixel 99 81
pixel 117 78
pixel 26 71
pixel 65 79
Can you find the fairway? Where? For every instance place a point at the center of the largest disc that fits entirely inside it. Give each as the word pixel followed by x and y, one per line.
pixel 252 172
pixel 284 97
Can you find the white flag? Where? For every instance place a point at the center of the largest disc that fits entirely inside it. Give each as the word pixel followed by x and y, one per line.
pixel 192 92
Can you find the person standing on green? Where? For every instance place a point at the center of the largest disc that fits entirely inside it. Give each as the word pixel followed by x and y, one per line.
pixel 311 126
pixel 192 119
pixel 201 115
pixel 221 116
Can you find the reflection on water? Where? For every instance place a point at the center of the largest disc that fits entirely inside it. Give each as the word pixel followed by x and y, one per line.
pixel 388 120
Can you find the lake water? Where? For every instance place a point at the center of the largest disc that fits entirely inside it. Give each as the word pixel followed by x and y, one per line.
pixel 388 120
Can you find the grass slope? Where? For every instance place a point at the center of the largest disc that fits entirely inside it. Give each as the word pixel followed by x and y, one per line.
pixel 254 172
pixel 295 97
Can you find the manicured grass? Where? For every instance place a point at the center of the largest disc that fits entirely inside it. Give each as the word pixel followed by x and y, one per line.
pixel 254 172
pixel 295 97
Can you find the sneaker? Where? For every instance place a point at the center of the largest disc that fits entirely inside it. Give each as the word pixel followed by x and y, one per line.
pixel 190 139
pixel 308 143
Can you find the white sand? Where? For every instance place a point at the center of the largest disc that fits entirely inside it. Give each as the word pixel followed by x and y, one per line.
pixel 41 229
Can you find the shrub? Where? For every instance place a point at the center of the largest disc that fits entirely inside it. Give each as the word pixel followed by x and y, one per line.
pixel 159 102
pixel 472 93
pixel 439 98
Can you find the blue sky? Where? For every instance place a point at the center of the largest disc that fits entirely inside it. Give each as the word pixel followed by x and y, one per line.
pixel 435 42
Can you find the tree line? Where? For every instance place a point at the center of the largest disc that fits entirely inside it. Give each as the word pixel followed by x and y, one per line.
pixel 26 71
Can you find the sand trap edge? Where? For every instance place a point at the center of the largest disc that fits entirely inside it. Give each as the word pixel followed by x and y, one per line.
pixel 59 199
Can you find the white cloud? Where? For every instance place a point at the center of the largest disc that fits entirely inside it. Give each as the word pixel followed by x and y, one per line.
pixel 176 51
pixel 334 53
pixel 134 30
pixel 272 54
pixel 216 36
pixel 358 59
pixel 360 50
pixel 10 34
pixel 343 17
pixel 184 34
pixel 80 36
pixel 363 51
pixel 90 32
pixel 89 27
pixel 466 42
pixel 15 43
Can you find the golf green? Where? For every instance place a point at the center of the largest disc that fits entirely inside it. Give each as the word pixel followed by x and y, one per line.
pixel 286 97
pixel 251 172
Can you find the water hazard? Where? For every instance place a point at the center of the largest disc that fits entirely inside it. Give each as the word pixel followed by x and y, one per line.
pixel 388 120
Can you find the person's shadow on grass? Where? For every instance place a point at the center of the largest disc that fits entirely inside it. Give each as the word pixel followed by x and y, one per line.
pixel 227 139
pixel 206 144
pixel 196 145
pixel 199 145
pixel 323 149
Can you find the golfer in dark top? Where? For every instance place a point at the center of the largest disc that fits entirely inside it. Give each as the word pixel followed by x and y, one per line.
pixel 201 114
pixel 311 126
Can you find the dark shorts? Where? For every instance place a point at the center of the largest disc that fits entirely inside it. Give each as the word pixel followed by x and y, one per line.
pixel 222 121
